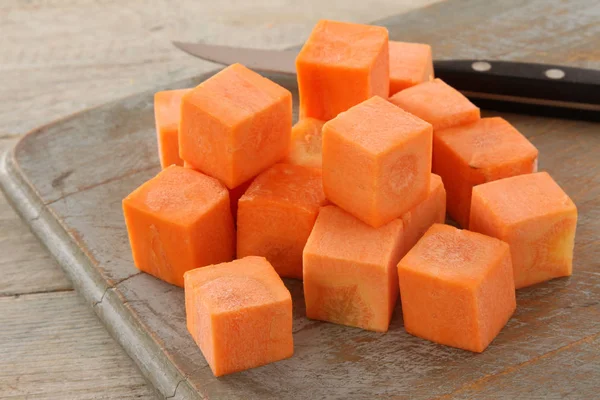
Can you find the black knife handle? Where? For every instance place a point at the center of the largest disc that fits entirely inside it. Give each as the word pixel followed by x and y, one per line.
pixel 525 87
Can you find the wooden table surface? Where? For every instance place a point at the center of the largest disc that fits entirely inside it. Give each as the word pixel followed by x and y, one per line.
pixel 58 57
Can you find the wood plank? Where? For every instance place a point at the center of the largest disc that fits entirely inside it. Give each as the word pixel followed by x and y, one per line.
pixel 550 31
pixel 25 264
pixel 54 347
pixel 62 56
pixel 571 372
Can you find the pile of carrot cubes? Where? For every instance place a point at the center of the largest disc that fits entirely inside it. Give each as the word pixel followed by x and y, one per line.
pixel 352 200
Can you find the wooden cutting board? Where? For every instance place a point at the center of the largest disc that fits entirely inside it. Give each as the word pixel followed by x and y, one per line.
pixel 67 180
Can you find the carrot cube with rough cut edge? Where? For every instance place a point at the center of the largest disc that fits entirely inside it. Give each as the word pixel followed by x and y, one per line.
pixel 437 103
pixel 167 110
pixel 234 194
pixel 430 211
pixel 276 215
pixel 483 151
pixel 177 221
pixel 456 288
pixel 235 125
pixel 535 217
pixel 376 161
pixel 306 143
pixel 340 65
pixel 410 64
pixel 350 270
pixel 239 314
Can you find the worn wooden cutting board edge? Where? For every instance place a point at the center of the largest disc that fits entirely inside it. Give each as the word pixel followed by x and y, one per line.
pixel 105 301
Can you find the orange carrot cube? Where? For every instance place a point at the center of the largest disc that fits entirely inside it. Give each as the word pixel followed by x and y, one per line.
pixel 305 147
pixel 167 106
pixel 177 221
pixel 235 125
pixel 430 211
pixel 234 194
pixel 437 103
pixel 456 288
pixel 340 65
pixel 277 214
pixel 239 314
pixel 483 151
pixel 535 217
pixel 350 270
pixel 376 161
pixel 410 64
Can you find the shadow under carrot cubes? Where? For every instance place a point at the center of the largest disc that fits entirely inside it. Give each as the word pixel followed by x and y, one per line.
pixel 177 221
pixel 340 65
pixel 276 215
pixel 235 125
pixel 535 217
pixel 306 143
pixel 240 314
pixel 468 155
pixel 410 64
pixel 437 103
pixel 350 270
pixel 376 161
pixel 456 288
pixel 167 107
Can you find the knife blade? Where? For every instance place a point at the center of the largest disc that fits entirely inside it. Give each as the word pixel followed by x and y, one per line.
pixel 526 88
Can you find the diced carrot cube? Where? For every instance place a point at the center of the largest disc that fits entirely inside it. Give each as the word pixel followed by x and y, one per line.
pixel 340 65
pixel 239 314
pixel 376 161
pixel 234 194
pixel 350 270
pixel 177 221
pixel 437 103
pixel 277 214
pixel 410 64
pixel 472 154
pixel 428 212
pixel 235 125
pixel 167 107
pixel 535 217
pixel 456 288
pixel 305 147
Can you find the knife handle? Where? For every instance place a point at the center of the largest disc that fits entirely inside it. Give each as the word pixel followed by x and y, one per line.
pixel 526 86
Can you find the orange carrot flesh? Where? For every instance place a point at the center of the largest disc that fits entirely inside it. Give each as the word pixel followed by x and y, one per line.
pixel 350 270
pixel 340 65
pixel 437 103
pixel 177 221
pixel 376 161
pixel 306 143
pixel 235 125
pixel 535 217
pixel 240 314
pixel 456 288
pixel 483 151
pixel 234 194
pixel 410 64
pixel 430 211
pixel 276 215
pixel 167 105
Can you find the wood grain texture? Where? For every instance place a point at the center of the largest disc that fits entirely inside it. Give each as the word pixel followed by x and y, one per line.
pixel 61 355
pixel 557 375
pixel 62 56
pixel 25 265
pixel 78 217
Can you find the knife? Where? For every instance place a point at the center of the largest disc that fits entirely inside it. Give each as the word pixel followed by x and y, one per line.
pixel 519 87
